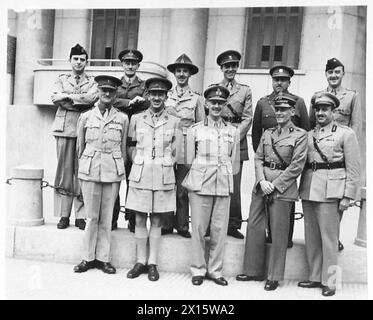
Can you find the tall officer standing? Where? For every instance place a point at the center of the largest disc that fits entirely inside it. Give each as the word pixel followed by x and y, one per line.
pixel 349 111
pixel 74 93
pixel 279 160
pixel 238 111
pixel 328 184
pixel 101 147
pixel 265 117
pixel 212 149
pixel 151 142
pixel 130 100
pixel 188 105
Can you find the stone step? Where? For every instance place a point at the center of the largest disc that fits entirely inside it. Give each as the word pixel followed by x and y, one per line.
pixel 47 243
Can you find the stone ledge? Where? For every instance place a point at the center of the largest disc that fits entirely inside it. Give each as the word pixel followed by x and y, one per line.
pixel 47 243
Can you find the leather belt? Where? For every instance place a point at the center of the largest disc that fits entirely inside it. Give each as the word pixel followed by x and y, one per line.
pixel 232 119
pixel 275 166
pixel 325 165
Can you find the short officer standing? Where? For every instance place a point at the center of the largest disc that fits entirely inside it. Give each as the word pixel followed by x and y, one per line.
pixel 74 93
pixel 265 117
pixel 328 184
pixel 279 160
pixel 213 149
pixel 151 142
pixel 238 111
pixel 101 147
pixel 130 100
pixel 186 104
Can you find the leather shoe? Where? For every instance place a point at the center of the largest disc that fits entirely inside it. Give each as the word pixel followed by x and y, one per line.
pixel 114 226
pixel 340 246
pixel 84 266
pixel 310 284
pixel 184 233
pixel 245 277
pixel 235 234
pixel 220 281
pixel 271 285
pixel 80 223
pixel 105 267
pixel 63 223
pixel 166 231
pixel 153 274
pixel 327 292
pixel 197 280
pixel 131 227
pixel 137 269
pixel 290 244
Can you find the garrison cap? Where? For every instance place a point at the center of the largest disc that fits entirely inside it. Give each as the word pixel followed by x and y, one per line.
pixel 130 54
pixel 325 98
pixel 333 63
pixel 183 61
pixel 284 101
pixel 78 50
pixel 281 71
pixel 216 92
pixel 110 82
pixel 158 84
pixel 228 56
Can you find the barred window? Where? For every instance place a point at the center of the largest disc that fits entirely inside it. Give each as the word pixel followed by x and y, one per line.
pixel 113 30
pixel 273 36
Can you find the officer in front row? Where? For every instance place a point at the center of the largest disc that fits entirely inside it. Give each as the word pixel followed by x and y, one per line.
pixel 101 148
pixel 279 160
pixel 328 184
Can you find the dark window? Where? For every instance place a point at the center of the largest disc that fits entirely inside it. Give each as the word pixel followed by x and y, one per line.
pixel 113 31
pixel 273 36
pixel 11 54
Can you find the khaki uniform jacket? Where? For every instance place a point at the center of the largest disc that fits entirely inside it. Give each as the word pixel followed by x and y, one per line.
pixel 291 145
pixel 240 99
pixel 265 117
pixel 349 111
pixel 152 150
pixel 213 153
pixel 126 92
pixel 338 143
pixel 83 96
pixel 101 145
pixel 189 108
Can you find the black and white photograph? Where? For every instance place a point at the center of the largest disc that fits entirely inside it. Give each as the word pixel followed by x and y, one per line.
pixel 183 150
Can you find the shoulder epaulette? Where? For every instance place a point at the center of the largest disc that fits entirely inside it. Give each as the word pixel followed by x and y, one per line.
pixel 64 75
pixel 354 91
pixel 334 128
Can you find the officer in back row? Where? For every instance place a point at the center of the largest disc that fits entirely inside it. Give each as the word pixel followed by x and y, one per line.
pixel 130 100
pixel 237 111
pixel 265 117
pixel 279 160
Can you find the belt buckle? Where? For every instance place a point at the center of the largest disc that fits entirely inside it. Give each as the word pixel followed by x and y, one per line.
pixel 272 165
pixel 313 166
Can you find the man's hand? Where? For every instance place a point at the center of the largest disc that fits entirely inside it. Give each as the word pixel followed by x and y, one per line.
pixel 135 100
pixel 344 204
pixel 267 187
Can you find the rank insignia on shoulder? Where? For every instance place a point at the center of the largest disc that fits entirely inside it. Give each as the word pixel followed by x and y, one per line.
pixel 291 129
pixel 144 116
pixel 334 128
pixel 166 117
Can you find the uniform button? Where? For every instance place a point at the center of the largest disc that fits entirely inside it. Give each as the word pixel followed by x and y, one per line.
pixel 103 140
pixel 105 131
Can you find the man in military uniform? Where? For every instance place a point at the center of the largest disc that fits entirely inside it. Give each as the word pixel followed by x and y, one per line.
pixel 279 160
pixel 328 184
pixel 212 150
pixel 186 104
pixel 130 100
pixel 151 141
pixel 349 111
pixel 238 111
pixel 74 93
pixel 265 117
pixel 101 147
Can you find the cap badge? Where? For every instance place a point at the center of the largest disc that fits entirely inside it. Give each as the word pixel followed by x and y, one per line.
pixel 182 60
pixel 218 92
pixel 130 54
pixel 280 70
pixel 230 57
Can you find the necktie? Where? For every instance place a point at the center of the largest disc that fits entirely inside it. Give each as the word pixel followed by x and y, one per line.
pixel 180 92
pixel 334 92
pixel 77 78
pixel 229 85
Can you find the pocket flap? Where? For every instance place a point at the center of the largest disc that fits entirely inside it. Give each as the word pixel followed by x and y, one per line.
pixel 139 159
pixel 89 153
pixel 117 154
pixel 336 174
pixel 167 162
pixel 115 126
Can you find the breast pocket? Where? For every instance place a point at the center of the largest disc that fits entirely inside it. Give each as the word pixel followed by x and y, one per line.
pixel 114 132
pixel 92 131
pixel 285 149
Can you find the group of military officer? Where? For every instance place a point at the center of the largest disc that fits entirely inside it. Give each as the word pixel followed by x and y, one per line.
pixel 172 149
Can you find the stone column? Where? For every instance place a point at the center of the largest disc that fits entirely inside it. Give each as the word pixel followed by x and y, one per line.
pixel 34 41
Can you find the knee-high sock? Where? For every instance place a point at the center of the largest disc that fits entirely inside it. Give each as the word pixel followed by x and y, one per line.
pixel 141 235
pixel 154 241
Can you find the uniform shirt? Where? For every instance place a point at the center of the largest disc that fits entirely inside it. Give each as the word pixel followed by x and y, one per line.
pixel 189 108
pixel 212 149
pixel 83 95
pixel 240 101
pixel 101 145
pixel 265 117
pixel 291 144
pixel 338 143
pixel 151 141
pixel 126 92
pixel 349 111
